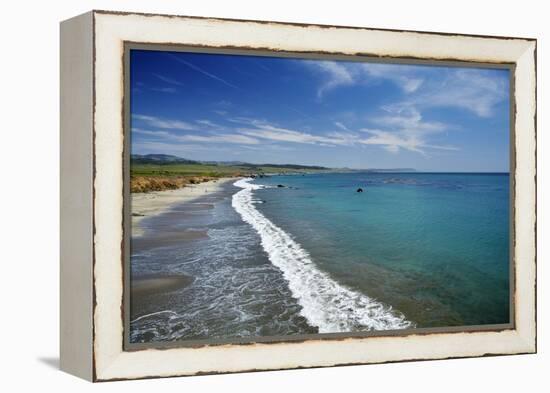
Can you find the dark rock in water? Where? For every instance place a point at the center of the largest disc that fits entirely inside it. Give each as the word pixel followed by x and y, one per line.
pixel 359 189
pixel 280 186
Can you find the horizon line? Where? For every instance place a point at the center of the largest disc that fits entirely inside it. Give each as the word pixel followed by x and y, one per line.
pixel 395 170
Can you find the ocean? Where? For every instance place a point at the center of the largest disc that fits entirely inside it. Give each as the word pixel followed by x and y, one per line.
pixel 316 256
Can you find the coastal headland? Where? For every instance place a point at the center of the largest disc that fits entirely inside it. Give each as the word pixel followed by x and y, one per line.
pixel 158 181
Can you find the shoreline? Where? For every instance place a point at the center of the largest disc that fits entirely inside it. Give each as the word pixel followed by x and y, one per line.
pixel 153 203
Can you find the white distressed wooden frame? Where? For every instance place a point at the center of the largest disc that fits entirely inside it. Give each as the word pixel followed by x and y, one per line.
pixel 92 143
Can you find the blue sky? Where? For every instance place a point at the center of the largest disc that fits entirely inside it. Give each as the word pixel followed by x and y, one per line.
pixel 315 112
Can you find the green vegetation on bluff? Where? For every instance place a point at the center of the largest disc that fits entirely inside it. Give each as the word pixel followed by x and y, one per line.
pixel 157 172
pixel 162 172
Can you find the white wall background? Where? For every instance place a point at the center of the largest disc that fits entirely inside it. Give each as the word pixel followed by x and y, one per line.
pixel 29 194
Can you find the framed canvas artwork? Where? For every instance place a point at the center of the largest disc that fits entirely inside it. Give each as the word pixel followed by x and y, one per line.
pixel 245 195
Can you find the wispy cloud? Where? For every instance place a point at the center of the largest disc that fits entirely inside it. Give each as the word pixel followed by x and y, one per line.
pixel 168 80
pixel 285 135
pixel 155 134
pixel 337 75
pixel 184 149
pixel 404 128
pixel 202 71
pixel 394 141
pixel 203 138
pixel 165 89
pixel 262 129
pixel 156 122
pixel 177 125
pixel 470 89
pixel 341 126
pixel 261 65
pixel 209 124
pixel 340 74
pixel 405 77
pixel 220 138
pixel 395 130
pixel 407 118
pixel 475 90
pixel 401 125
pixel 409 133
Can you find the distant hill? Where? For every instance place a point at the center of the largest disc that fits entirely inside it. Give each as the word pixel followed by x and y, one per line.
pixel 284 166
pixel 165 159
pixel 392 170
pixel 159 159
pixel 225 163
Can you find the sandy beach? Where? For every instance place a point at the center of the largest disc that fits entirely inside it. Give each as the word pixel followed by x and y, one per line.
pixel 156 202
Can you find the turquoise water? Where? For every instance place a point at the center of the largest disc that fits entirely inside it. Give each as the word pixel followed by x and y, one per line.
pixel 432 246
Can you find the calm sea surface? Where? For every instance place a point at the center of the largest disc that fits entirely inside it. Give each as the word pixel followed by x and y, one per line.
pixel 434 246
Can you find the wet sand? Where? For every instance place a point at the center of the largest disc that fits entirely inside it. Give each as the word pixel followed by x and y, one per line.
pixel 144 287
pixel 156 202
pixel 153 283
pixel 178 218
pixel 167 239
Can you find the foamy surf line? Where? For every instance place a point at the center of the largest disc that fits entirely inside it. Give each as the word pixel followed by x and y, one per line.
pixel 325 303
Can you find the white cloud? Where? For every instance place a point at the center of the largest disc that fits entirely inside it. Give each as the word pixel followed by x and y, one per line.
pixel 409 119
pixel 264 130
pixel 203 138
pixel 392 141
pixel 337 75
pixel 404 128
pixel 402 75
pixel 284 135
pixel 157 134
pixel 473 90
pixel 219 138
pixel 395 129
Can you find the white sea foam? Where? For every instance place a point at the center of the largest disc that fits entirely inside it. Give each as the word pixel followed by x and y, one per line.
pixel 325 303
pixel 170 312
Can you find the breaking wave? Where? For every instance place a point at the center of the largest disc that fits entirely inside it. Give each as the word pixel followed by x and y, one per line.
pixel 325 303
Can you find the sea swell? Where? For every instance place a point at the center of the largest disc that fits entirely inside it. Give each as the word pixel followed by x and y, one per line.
pixel 324 302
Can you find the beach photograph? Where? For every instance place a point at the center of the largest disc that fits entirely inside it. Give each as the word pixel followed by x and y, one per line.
pixel 282 197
